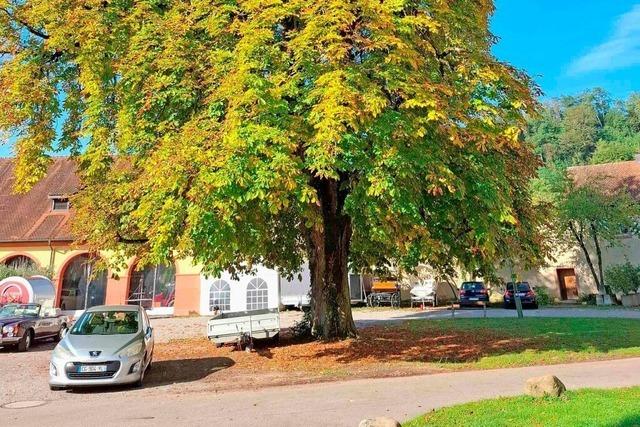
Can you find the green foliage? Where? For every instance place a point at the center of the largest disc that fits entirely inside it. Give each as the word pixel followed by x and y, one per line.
pixel 580 133
pixel 588 128
pixel 588 299
pixel 597 408
pixel 624 278
pixel 6 271
pixel 609 152
pixel 542 295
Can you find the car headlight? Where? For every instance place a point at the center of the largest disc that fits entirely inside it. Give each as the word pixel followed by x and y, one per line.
pixel 132 349
pixel 9 330
pixel 62 352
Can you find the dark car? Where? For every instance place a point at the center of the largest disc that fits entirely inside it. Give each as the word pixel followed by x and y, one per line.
pixel 523 291
pixel 473 293
pixel 22 324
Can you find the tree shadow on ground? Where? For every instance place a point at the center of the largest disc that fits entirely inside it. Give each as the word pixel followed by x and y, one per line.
pixel 167 372
pixel 185 370
pixel 445 342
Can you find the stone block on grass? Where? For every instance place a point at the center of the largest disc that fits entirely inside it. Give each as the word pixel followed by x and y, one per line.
pixel 547 385
pixel 379 422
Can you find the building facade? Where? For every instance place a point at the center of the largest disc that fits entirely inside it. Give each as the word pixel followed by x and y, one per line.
pixel 35 232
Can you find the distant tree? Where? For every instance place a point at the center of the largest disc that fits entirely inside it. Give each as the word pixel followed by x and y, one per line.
pixel 544 133
pixel 580 131
pixel 616 124
pixel 633 111
pixel 616 151
pixel 243 132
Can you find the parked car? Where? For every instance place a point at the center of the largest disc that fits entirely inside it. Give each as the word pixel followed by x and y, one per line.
pixel 524 291
pixel 108 345
pixel 473 293
pixel 22 324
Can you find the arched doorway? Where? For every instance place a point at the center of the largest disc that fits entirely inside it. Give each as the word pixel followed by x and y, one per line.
pixel 82 286
pixel 20 262
pixel 153 287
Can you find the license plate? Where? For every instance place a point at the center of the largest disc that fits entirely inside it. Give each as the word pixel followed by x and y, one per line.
pixel 521 294
pixel 473 299
pixel 93 368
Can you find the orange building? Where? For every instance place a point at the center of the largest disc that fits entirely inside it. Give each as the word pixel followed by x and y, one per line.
pixel 34 230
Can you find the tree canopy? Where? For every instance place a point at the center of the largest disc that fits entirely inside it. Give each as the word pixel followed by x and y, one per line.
pixel 245 131
pixel 588 128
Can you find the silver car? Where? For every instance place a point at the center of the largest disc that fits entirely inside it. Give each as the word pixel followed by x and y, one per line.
pixel 108 345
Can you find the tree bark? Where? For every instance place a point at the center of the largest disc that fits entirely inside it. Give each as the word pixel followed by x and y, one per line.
pixel 328 245
pixel 594 231
pixel 580 239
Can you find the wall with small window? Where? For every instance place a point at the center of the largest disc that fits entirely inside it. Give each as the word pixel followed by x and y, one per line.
pixel 246 292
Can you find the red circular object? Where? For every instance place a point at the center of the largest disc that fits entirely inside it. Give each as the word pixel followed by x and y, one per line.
pixel 13 292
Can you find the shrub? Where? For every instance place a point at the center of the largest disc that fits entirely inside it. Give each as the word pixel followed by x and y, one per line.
pixel 623 278
pixel 542 294
pixel 6 271
pixel 302 329
pixel 589 299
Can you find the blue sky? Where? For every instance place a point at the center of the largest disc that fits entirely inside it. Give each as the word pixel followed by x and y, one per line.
pixel 570 46
pixel 567 46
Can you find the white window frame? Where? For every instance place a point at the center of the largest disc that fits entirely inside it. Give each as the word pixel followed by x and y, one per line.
pixel 257 294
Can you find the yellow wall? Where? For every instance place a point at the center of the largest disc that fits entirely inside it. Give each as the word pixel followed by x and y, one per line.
pixel 56 257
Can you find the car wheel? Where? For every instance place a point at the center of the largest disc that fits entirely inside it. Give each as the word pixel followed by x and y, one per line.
pixel 150 363
pixel 25 342
pixel 58 337
pixel 140 380
pixel 535 305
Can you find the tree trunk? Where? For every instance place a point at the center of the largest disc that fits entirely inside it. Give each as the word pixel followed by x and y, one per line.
pixel 594 231
pixel 580 239
pixel 328 242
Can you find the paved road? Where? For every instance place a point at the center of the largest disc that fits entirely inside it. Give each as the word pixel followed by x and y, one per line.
pixel 329 404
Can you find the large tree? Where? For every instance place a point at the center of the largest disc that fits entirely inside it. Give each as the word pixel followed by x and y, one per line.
pixel 245 131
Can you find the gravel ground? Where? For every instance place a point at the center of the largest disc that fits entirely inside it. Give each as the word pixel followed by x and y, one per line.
pixel 23 376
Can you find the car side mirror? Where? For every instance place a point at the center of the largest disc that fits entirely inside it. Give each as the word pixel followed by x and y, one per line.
pixel 149 332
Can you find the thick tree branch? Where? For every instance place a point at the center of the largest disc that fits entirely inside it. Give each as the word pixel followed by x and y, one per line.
pixel 25 24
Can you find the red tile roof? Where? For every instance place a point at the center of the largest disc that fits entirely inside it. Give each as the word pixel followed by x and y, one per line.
pixel 610 177
pixel 28 217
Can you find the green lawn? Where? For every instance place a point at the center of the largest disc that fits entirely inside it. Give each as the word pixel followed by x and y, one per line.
pixel 499 343
pixel 619 407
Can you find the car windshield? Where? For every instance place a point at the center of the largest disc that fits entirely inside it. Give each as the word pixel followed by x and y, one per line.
pixel 20 310
pixel 106 323
pixel 473 286
pixel 522 287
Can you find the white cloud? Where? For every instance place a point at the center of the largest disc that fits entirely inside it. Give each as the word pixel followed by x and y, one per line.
pixel 621 50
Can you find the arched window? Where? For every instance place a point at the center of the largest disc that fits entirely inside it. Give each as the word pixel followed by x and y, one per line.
pixel 257 294
pixel 154 286
pixel 20 262
pixel 220 296
pixel 82 285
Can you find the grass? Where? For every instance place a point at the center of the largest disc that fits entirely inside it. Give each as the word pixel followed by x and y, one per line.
pixel 500 343
pixel 588 407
